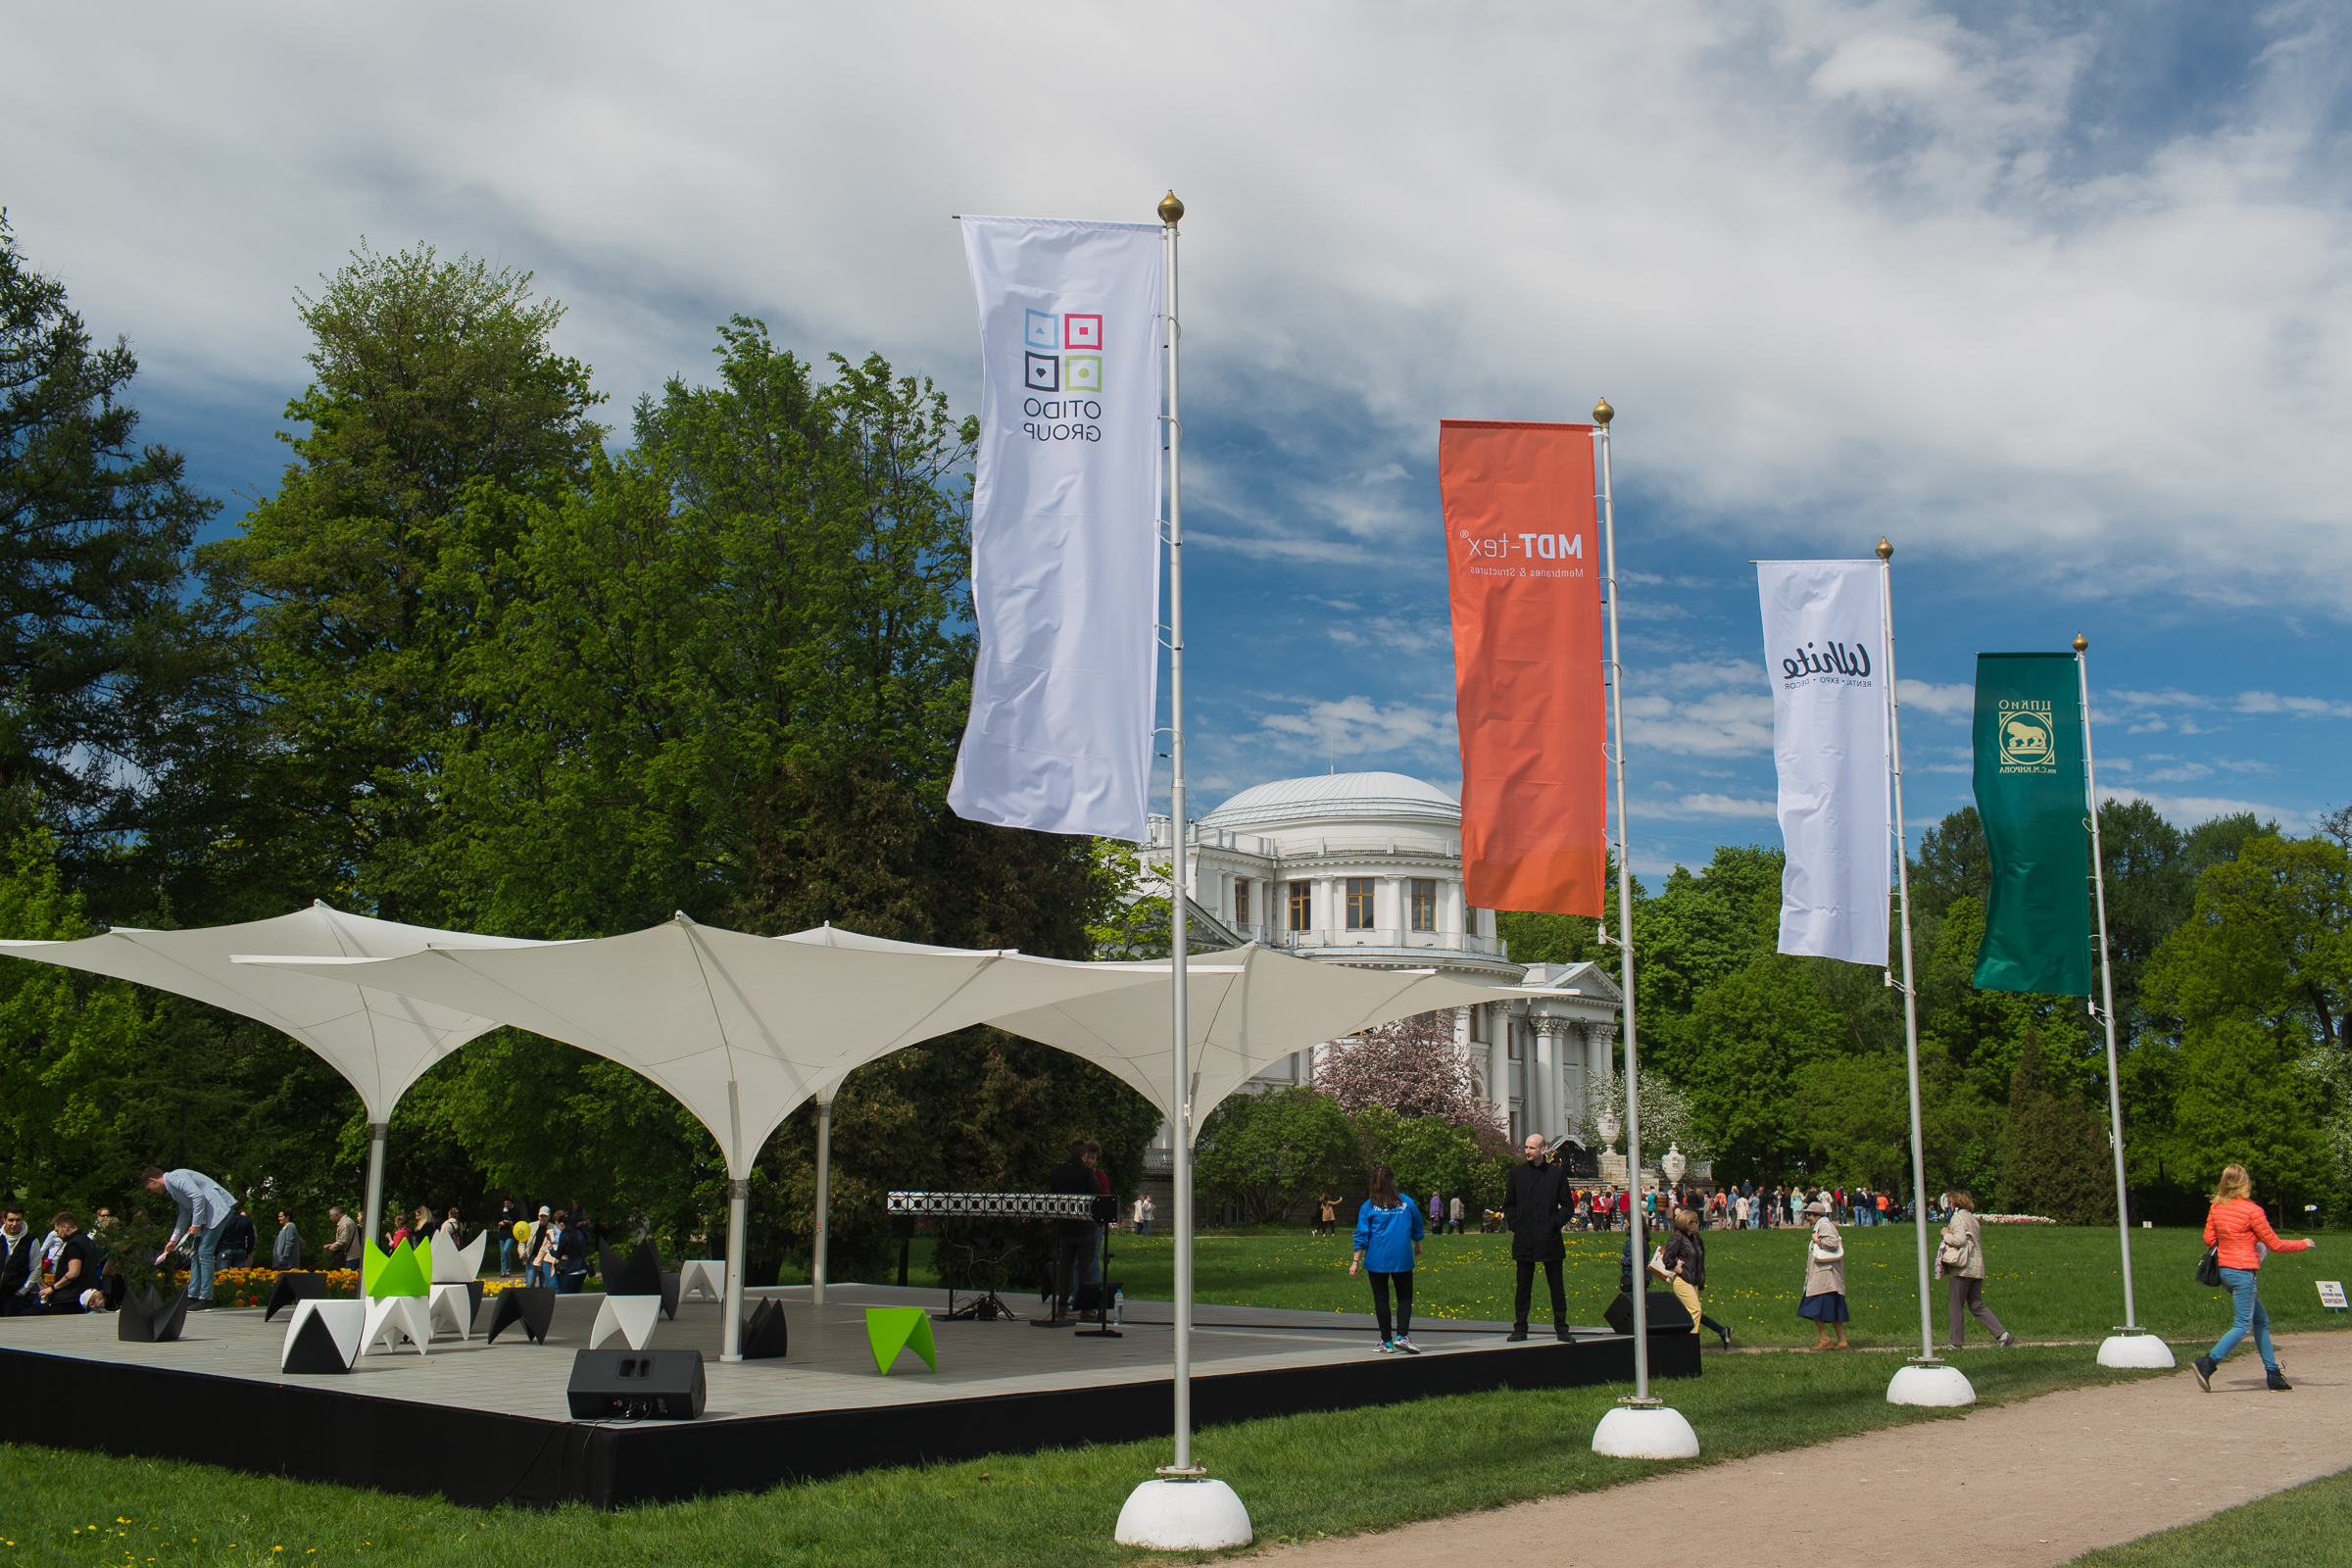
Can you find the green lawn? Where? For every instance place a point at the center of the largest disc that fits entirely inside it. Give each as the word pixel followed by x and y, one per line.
pixel 2045 1282
pixel 1300 1476
pixel 2309 1524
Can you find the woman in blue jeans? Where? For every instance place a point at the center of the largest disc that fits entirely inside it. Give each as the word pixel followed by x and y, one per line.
pixel 1388 1238
pixel 2236 1228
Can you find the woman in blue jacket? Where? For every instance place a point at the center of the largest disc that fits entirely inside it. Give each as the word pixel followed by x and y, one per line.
pixel 1388 1238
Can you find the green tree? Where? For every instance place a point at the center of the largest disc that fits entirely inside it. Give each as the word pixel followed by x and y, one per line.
pixel 1429 1154
pixel 1270 1153
pixel 2054 1155
pixel 98 645
pixel 1954 862
pixel 1746 1041
pixel 437 406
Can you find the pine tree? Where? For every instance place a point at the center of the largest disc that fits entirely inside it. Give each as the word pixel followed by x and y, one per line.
pixel 2054 1158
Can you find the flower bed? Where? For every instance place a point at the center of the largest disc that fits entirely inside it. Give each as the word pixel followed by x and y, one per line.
pixel 251 1287
pixel 2016 1219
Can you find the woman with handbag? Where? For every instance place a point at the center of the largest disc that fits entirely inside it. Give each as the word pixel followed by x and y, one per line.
pixel 1825 1279
pixel 1960 1259
pixel 2237 1230
pixel 1682 1264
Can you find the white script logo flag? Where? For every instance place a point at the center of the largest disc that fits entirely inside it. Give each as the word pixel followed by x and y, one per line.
pixel 1066 527
pixel 1822 623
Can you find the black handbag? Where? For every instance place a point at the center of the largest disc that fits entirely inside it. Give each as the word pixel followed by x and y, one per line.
pixel 2209 1268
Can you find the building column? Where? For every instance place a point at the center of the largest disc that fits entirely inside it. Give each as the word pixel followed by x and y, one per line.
pixel 1600 1058
pixel 1396 907
pixel 1498 1061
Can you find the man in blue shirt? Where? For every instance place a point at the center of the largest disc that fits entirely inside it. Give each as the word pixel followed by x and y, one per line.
pixel 205 1211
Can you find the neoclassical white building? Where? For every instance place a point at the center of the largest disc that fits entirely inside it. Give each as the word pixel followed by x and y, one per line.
pixel 1366 868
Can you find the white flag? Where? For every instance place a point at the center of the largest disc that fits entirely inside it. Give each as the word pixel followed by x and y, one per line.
pixel 1066 527
pixel 1822 648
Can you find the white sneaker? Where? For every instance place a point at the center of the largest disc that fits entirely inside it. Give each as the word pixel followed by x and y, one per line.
pixel 1408 1346
pixel 1387 1348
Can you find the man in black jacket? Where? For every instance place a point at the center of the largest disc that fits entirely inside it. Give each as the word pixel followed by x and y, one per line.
pixel 17 1249
pixel 1074 1237
pixel 1533 1207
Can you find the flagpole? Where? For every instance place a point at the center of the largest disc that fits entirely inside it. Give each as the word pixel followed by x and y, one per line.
pixel 1640 1427
pixel 1928 1379
pixel 1180 1509
pixel 1171 213
pixel 2128 1347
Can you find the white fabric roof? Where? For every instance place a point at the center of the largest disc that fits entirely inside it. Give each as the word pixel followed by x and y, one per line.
pixel 740 1029
pixel 382 1041
pixel 743 1029
pixel 1247 1007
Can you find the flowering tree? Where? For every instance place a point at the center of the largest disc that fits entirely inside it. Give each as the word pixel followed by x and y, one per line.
pixel 1411 1067
pixel 1666 1118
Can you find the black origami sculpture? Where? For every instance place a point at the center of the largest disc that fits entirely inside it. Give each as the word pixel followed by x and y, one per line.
pixel 763 1333
pixel 295 1285
pixel 146 1320
pixel 313 1352
pixel 641 1274
pixel 531 1305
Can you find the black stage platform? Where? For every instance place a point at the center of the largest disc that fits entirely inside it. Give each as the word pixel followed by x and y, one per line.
pixel 487 1424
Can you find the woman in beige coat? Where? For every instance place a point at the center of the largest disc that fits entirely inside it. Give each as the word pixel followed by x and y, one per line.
pixel 1961 1262
pixel 1825 1278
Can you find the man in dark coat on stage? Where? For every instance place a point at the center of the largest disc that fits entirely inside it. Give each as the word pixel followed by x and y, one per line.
pixel 1535 1207
pixel 1074 1239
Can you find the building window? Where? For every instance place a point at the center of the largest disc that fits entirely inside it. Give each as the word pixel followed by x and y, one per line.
pixel 1469 922
pixel 1303 906
pixel 1360 904
pixel 1425 903
pixel 1241 905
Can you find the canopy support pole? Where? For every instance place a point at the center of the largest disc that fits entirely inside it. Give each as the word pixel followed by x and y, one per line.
pixel 824 1196
pixel 372 1227
pixel 730 1334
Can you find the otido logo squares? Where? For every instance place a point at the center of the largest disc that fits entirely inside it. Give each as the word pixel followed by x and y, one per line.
pixel 1063 353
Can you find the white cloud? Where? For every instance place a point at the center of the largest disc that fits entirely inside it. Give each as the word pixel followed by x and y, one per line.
pixel 2188 810
pixel 1710 805
pixel 1947 701
pixel 1356 725
pixel 1833 263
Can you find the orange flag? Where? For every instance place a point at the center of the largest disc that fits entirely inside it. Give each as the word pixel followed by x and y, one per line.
pixel 1521 538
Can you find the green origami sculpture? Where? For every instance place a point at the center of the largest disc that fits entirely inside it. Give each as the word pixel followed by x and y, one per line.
pixel 404 1271
pixel 892 1329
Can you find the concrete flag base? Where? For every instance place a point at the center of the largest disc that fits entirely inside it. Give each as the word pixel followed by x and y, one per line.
pixel 1183 1516
pixel 1938 1385
pixel 2138 1350
pixel 1634 1432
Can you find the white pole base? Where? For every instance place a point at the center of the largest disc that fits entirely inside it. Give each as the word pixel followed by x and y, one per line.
pixel 2141 1351
pixel 1634 1432
pixel 1940 1386
pixel 1183 1516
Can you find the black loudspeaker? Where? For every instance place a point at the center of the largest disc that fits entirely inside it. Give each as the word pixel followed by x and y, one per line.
pixel 636 1386
pixel 764 1332
pixel 1665 1309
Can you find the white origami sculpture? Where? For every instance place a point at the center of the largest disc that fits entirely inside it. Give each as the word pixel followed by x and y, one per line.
pixel 708 1275
pixel 629 1316
pixel 391 1315
pixel 333 1346
pixel 458 1265
pixel 453 1305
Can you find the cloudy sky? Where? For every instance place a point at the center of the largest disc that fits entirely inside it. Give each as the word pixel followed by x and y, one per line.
pixel 2058 297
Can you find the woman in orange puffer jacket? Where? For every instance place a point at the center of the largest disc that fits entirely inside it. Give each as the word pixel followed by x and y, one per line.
pixel 2234 1225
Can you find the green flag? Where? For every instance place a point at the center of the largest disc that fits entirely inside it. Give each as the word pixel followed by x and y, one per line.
pixel 2028 752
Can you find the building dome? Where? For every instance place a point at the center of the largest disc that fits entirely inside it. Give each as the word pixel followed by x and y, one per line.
pixel 1338 797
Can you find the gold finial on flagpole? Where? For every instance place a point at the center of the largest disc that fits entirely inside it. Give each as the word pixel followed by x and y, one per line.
pixel 1602 414
pixel 1885 549
pixel 1171 211
pixel 2080 642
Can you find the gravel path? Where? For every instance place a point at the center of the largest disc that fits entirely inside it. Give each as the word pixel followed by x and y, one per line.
pixel 2021 1486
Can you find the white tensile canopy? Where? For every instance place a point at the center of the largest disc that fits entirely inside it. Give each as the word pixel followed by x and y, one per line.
pixel 380 1041
pixel 742 1030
